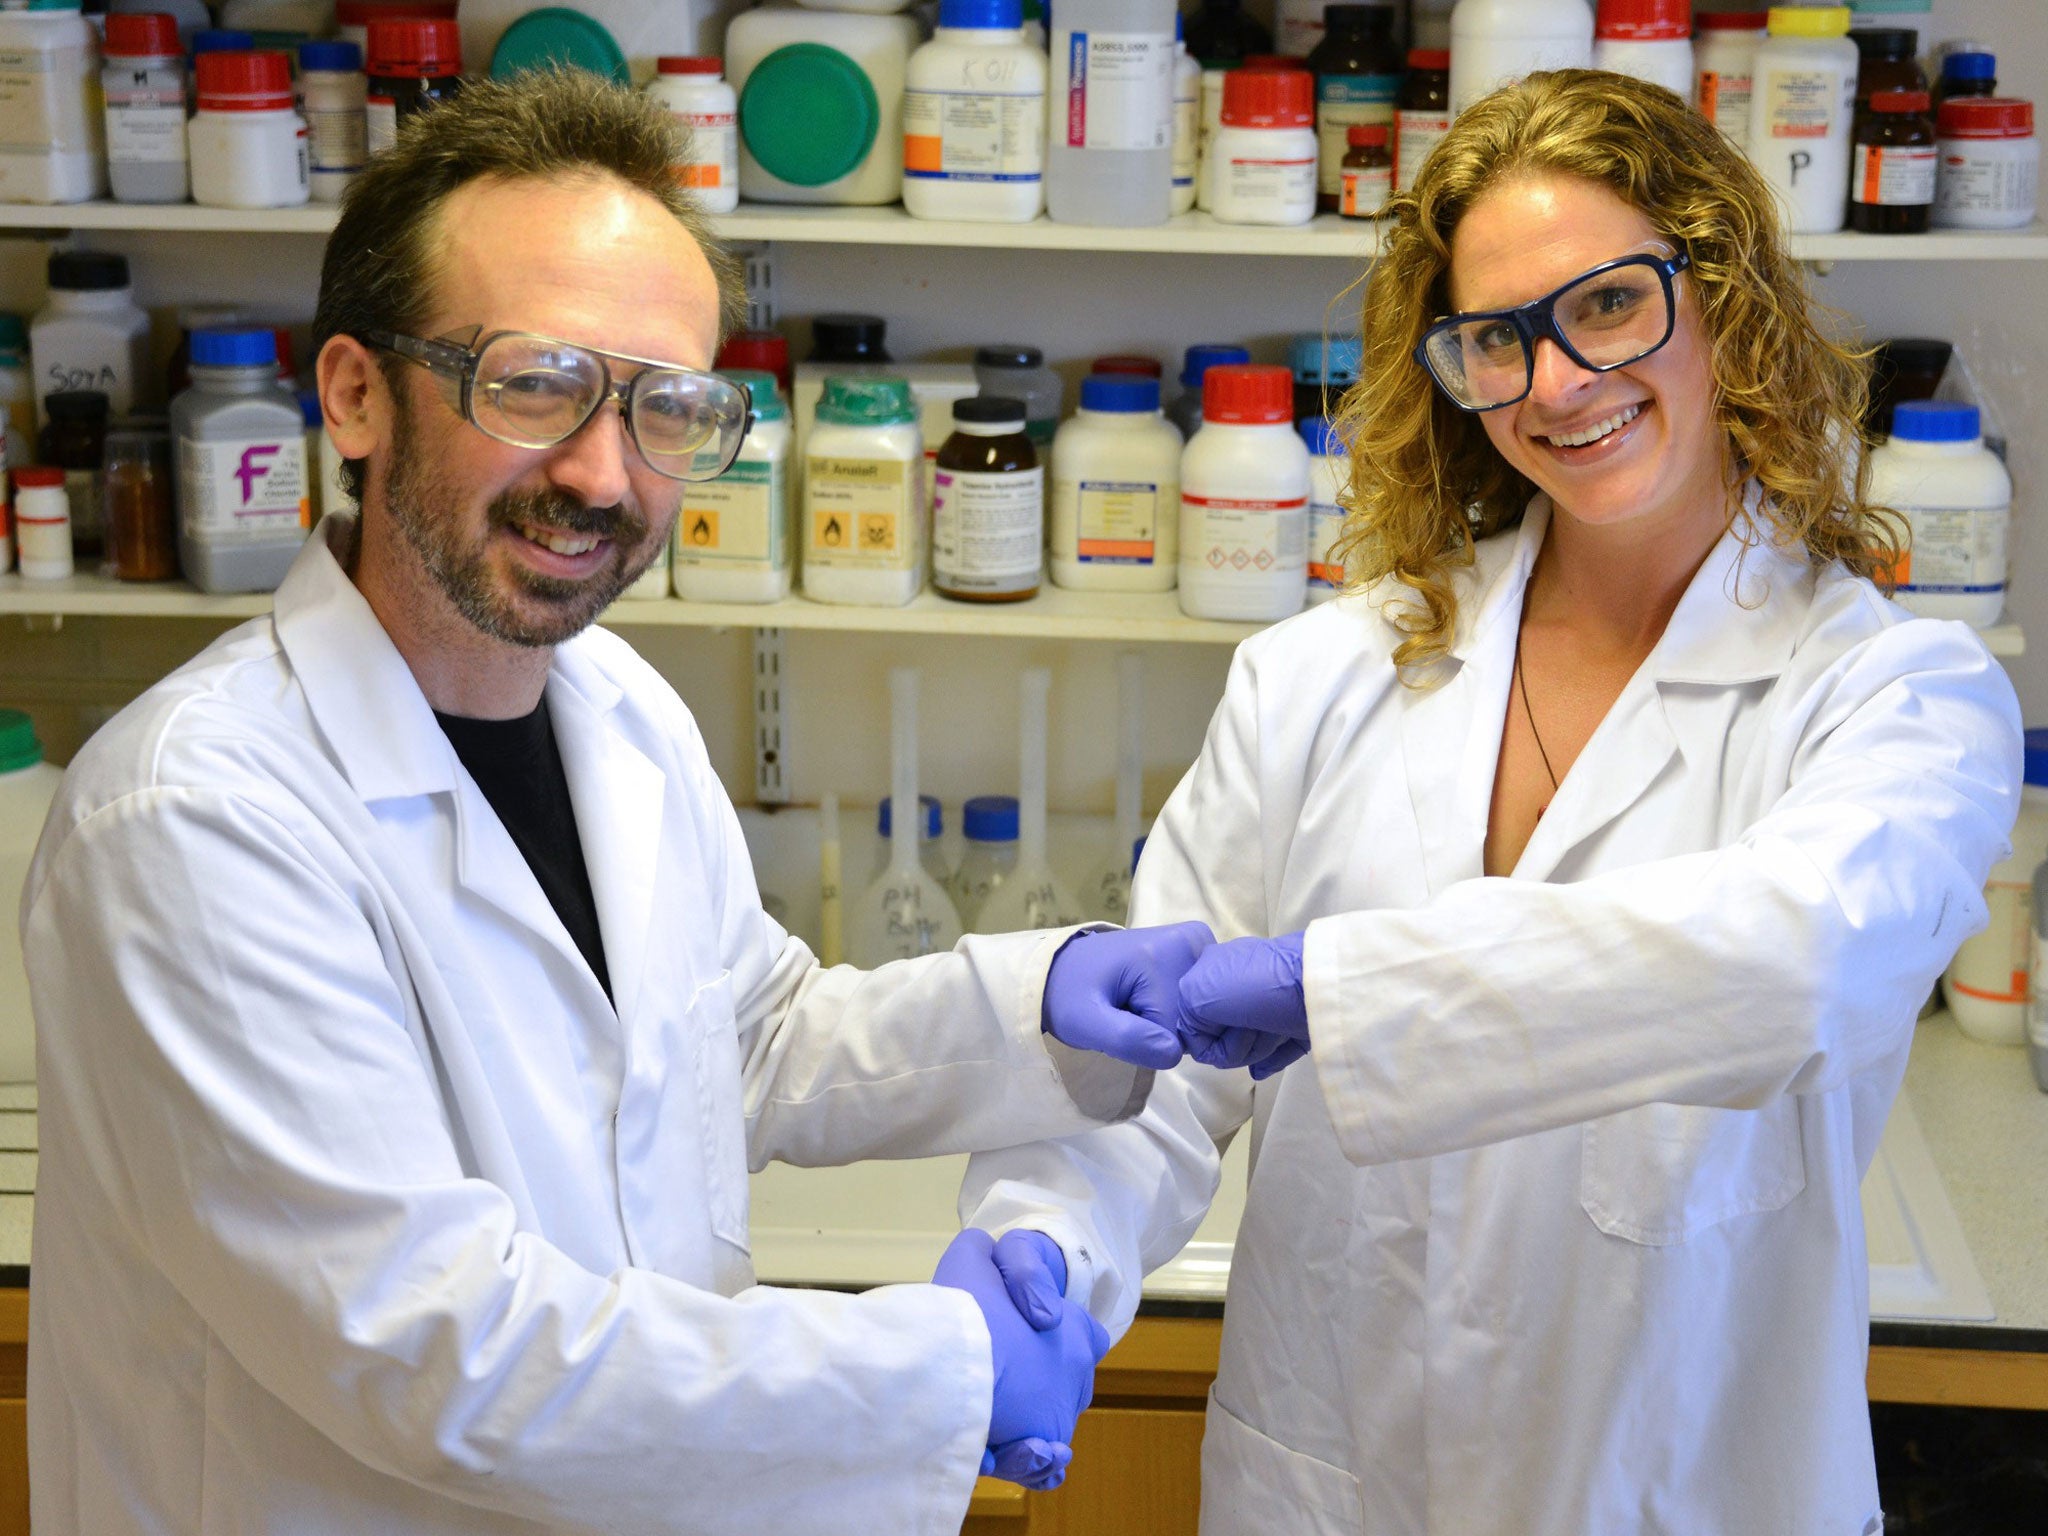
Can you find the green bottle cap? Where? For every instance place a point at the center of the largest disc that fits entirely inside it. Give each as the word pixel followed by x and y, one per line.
pixel 13 334
pixel 867 400
pixel 809 114
pixel 18 745
pixel 555 37
pixel 761 390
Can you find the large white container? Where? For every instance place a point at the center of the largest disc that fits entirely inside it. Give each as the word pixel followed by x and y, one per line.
pixel 1496 41
pixel 643 29
pixel 52 125
pixel 90 334
pixel 1802 114
pixel 1244 484
pixel 250 149
pixel 1989 981
pixel 244 501
pixel 1724 57
pixel 1649 39
pixel 734 542
pixel 1263 158
pixel 821 104
pixel 693 88
pixel 27 786
pixel 864 494
pixel 1957 498
pixel 974 118
pixel 1109 155
pixel 1116 490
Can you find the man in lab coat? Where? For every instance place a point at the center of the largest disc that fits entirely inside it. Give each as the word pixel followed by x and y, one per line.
pixel 409 1020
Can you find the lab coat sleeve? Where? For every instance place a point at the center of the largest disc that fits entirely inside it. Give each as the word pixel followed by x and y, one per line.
pixel 255 1110
pixel 1122 1201
pixel 1787 962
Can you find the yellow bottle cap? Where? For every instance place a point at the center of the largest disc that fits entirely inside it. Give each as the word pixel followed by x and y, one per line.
pixel 1809 21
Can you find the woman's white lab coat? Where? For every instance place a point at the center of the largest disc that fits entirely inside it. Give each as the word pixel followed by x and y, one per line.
pixel 1557 1231
pixel 361 1209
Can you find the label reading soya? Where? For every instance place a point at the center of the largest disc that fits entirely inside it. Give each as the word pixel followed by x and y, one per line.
pixel 244 489
pixel 1116 521
pixel 1344 102
pixel 1119 90
pixel 988 529
pixel 734 519
pixel 973 136
pixel 1960 552
pixel 861 514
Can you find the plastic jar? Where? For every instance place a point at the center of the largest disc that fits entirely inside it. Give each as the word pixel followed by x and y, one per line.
pixel 413 62
pixel 42 523
pixel 1328 468
pixel 352 18
pixel 734 542
pixel 1988 985
pixel 1368 173
pixel 89 334
pixel 1956 498
pixel 761 352
pixel 1989 170
pixel 693 89
pixel 1020 374
pixel 1422 112
pixel 989 824
pixel 1496 41
pixel 220 40
pixel 336 97
pixel 144 86
pixel 821 104
pixel 1802 114
pixel 1116 490
pixel 1649 39
pixel 75 440
pixel 1244 500
pixel 1724 54
pixel 52 126
pixel 864 505
pixel 974 118
pixel 249 147
pixel 1265 153
pixel 1186 411
pixel 1109 157
pixel 1187 120
pixel 1891 183
pixel 141 509
pixel 240 440
pixel 1324 368
pixel 1967 73
pixel 988 505
pixel 1357 68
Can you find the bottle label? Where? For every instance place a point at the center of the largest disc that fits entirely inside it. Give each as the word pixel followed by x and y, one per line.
pixel 1955 552
pixel 974 136
pixel 736 519
pixel 1802 102
pixel 1325 523
pixel 1119 90
pixel 1993 966
pixel 1187 139
pixel 339 141
pixel 1973 184
pixel 1894 176
pixel 988 529
pixel 862 514
pixel 1344 102
pixel 1415 135
pixel 381 122
pixel 243 490
pixel 1365 191
pixel 714 151
pixel 147 134
pixel 1116 522
pixel 1240 536
pixel 1265 180
pixel 1724 102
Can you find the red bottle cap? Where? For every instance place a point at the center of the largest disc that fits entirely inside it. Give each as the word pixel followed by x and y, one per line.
pixel 1366 135
pixel 1986 117
pixel 415 48
pixel 244 80
pixel 1269 98
pixel 1644 21
pixel 767 351
pixel 1733 21
pixel 1248 395
pixel 1901 101
pixel 37 475
pixel 1274 61
pixel 681 64
pixel 1429 58
pixel 1128 363
pixel 142 35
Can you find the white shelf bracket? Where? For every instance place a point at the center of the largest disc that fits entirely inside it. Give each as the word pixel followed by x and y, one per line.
pixel 759 259
pixel 771 717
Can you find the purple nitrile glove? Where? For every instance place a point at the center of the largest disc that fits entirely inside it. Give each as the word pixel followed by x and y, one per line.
pixel 1034 1272
pixel 1241 1005
pixel 1036 1464
pixel 1115 991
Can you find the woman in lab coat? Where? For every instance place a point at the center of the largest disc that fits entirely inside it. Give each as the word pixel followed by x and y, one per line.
pixel 1615 827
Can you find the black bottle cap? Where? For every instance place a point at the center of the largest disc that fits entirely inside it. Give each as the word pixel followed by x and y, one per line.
pixel 75 405
pixel 848 338
pixel 990 411
pixel 1003 355
pixel 1889 43
pixel 88 270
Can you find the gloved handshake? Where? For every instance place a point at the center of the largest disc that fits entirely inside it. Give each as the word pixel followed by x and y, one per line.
pixel 1149 995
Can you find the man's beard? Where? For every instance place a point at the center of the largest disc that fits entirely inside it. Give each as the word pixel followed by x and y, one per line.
pixel 421 502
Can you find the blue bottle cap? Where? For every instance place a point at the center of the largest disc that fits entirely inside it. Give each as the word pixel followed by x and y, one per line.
pixel 221 40
pixel 1137 853
pixel 1936 421
pixel 934 818
pixel 1317 360
pixel 990 819
pixel 1970 66
pixel 2036 756
pixel 1122 392
pixel 1205 355
pixel 310 412
pixel 1322 438
pixel 331 57
pixel 986 15
pixel 234 349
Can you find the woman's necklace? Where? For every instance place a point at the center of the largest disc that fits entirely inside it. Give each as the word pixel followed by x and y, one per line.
pixel 1530 715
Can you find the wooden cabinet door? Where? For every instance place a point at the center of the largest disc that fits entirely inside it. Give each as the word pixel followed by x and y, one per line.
pixel 1136 1472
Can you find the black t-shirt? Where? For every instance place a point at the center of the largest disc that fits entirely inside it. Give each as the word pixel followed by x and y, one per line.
pixel 518 767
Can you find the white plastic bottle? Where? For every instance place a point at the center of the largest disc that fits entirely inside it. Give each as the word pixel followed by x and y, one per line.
pixel 989 826
pixel 693 89
pixel 1988 983
pixel 1109 155
pixel 1265 154
pixel 27 786
pixel 42 523
pixel 1244 485
pixel 1497 41
pixel 335 94
pixel 90 334
pixel 734 542
pixel 1210 119
pixel 1328 468
pixel 52 124
pixel 244 502
pixel 1187 120
pixel 1649 39
pixel 974 118
pixel 1724 56
pixel 821 104
pixel 250 148
pixel 1957 499
pixel 1116 490
pixel 1801 115
pixel 864 497
pixel 144 88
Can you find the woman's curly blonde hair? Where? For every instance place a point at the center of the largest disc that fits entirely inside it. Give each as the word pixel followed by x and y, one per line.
pixel 1426 483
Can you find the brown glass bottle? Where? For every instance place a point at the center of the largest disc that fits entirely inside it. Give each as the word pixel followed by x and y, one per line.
pixel 1368 173
pixel 1891 180
pixel 988 505
pixel 1422 112
pixel 1357 67
pixel 1888 63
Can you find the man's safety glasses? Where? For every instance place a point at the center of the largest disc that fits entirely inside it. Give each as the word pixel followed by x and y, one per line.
pixel 535 391
pixel 1605 319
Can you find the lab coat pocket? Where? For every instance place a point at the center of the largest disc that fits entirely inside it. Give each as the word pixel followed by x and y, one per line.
pixel 721 1117
pixel 1252 1485
pixel 1663 1173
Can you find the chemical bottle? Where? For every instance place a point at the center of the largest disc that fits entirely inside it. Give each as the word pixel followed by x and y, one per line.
pixel 1988 983
pixel 27 787
pixel 1135 364
pixel 1969 73
pixel 1265 154
pixel 1990 168
pixel 1110 153
pixel 761 352
pixel 89 334
pixel 1891 180
pixel 1020 373
pixel 42 523
pixel 864 501
pixel 846 338
pixel 1187 121
pixel 17 390
pixel 1496 41
pixel 243 501
pixel 1429 26
pixel 734 540
pixel 1186 411
pixel 1649 39
pixel 144 86
pixel 315 418
pixel 1887 59
pixel 989 823
pixel 1328 469
pixel 1116 490
pixel 1368 173
pixel 1422 112
pixel 706 109
pixel 905 910
pixel 1299 26
pixel 1324 368
pixel 821 104
pixel 1032 896
pixel 974 118
pixel 1357 65
pixel 75 440
pixel 54 148
pixel 336 96
pixel 413 62
pixel 1244 500
pixel 931 838
pixel 1956 498
pixel 248 144
pixel 1220 33
pixel 1802 112
pixel 1724 59
pixel 988 505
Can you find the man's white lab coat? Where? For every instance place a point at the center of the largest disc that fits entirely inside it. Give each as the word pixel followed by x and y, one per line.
pixel 362 1212
pixel 1557 1231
